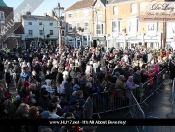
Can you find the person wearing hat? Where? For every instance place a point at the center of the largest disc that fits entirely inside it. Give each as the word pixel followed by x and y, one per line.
pixel 120 85
pixel 47 115
pixel 89 128
pixel 44 100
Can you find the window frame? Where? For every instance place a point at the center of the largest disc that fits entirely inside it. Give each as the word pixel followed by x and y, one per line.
pixel 41 32
pixel 51 32
pixel 114 12
pixel 30 32
pixel 29 23
pixel 86 26
pixel 69 27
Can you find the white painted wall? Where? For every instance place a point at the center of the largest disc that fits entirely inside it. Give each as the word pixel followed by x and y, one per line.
pixel 36 27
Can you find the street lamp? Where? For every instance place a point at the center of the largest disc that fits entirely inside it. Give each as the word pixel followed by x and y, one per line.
pixel 57 12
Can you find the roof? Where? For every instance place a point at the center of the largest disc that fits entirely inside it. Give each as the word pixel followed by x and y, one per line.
pixel 117 1
pixel 2 3
pixel 81 4
pixel 33 17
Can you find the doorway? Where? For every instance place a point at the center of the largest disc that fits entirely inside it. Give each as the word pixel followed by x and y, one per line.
pixel 78 43
pixel 94 43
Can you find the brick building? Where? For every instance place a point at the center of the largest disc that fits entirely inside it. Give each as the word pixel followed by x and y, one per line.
pixel 6 26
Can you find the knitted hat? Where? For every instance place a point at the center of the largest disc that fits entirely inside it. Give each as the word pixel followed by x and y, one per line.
pixel 45 114
pixel 26 84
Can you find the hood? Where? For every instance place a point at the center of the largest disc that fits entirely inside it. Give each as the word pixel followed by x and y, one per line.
pixel 130 78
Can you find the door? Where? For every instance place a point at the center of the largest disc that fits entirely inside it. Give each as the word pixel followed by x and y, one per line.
pixel 94 43
pixel 78 43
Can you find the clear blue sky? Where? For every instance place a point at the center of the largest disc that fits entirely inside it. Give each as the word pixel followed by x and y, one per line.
pixel 45 7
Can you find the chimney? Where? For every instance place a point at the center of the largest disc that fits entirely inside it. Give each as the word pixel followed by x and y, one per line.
pixel 45 14
pixel 52 14
pixel 28 13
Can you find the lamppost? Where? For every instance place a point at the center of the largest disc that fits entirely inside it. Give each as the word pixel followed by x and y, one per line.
pixel 57 12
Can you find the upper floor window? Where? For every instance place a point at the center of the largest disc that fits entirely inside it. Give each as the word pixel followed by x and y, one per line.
pixel 99 29
pixel 133 8
pixel 69 27
pixel 78 26
pixel 63 24
pixel 70 15
pixel 51 32
pixel 133 25
pixel 2 15
pixel 99 14
pixel 51 23
pixel 152 26
pixel 62 32
pixel 86 26
pixel 30 32
pixel 115 10
pixel 86 13
pixel 40 23
pixel 30 23
pixel 3 29
pixel 41 32
pixel 116 26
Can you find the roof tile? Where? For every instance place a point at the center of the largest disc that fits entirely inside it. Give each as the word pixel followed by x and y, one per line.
pixel 81 4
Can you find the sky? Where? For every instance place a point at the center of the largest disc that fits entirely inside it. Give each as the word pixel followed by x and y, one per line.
pixel 45 7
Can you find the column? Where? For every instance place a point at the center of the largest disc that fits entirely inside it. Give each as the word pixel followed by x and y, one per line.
pixel 124 42
pixel 143 42
pixel 148 45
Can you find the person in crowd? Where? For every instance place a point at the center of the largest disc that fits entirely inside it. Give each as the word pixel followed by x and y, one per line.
pixel 78 97
pixel 44 100
pixel 56 101
pixel 24 74
pixel 59 78
pixel 10 107
pixel 3 92
pixel 130 86
pixel 53 111
pixel 137 78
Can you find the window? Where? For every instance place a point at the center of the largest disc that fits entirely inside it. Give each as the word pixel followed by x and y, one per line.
pixel 115 10
pixel 133 25
pixel 63 24
pixel 41 32
pixel 30 23
pixel 2 15
pixel 30 32
pixel 69 27
pixel 3 31
pixel 99 14
pixel 51 32
pixel 86 13
pixel 62 32
pixel 86 26
pixel 152 26
pixel 51 23
pixel 133 8
pixel 70 15
pixel 116 26
pixel 99 29
pixel 40 23
pixel 4 45
pixel 78 26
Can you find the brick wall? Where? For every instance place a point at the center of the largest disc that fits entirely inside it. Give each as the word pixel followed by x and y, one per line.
pixel 10 27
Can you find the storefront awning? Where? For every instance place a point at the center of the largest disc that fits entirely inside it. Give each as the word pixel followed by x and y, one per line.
pixel 98 38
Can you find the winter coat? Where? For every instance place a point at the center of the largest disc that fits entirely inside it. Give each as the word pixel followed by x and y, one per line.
pixel 130 86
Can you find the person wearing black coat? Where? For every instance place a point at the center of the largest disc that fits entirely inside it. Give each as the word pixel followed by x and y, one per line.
pixel 44 100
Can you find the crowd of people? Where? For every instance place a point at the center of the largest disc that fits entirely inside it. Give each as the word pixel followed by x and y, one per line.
pixel 50 85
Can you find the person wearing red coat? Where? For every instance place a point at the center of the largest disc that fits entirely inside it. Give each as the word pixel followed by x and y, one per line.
pixel 151 73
